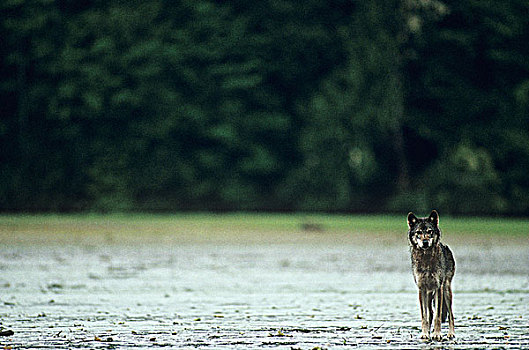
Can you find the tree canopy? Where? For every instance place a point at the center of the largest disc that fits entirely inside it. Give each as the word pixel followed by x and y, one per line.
pixel 280 105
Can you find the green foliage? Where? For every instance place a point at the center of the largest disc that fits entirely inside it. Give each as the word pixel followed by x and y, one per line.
pixel 466 89
pixel 465 181
pixel 275 105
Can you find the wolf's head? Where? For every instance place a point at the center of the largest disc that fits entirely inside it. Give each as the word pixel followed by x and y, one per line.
pixel 424 233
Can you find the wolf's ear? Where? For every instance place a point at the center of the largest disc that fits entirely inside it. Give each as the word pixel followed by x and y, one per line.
pixel 434 217
pixel 412 219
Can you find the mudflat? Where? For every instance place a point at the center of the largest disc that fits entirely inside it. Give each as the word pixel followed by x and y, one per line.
pixel 107 286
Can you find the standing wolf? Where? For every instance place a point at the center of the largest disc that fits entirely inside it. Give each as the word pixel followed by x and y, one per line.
pixel 433 268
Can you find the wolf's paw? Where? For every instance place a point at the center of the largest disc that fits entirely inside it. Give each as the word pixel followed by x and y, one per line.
pixel 425 336
pixel 451 335
pixel 437 336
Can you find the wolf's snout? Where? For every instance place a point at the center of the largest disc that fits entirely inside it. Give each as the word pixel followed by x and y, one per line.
pixel 425 243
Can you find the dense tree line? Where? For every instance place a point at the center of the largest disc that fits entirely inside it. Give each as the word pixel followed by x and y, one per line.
pixel 273 105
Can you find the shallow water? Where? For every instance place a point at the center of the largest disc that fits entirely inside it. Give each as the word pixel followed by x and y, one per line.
pixel 259 295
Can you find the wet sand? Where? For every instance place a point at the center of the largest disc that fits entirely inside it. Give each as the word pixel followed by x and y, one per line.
pixel 299 291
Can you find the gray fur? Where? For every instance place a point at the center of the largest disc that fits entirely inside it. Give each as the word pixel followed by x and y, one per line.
pixel 433 268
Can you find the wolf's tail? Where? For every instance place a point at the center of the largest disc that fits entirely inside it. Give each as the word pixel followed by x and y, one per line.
pixel 444 313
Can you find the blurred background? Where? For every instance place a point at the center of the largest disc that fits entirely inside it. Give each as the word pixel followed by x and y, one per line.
pixel 308 105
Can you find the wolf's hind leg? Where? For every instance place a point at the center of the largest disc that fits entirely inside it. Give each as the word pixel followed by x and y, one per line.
pixel 448 302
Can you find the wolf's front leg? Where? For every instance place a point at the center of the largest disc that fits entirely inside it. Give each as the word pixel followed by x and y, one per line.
pixel 438 315
pixel 425 317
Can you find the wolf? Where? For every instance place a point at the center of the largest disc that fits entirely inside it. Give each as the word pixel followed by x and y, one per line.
pixel 433 267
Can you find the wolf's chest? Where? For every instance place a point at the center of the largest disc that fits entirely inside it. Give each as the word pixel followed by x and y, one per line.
pixel 428 277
